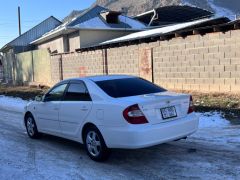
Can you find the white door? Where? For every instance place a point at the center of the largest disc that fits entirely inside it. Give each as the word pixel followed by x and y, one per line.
pixel 74 108
pixel 48 110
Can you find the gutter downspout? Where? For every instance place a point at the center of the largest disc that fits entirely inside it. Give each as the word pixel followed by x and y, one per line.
pixel 154 16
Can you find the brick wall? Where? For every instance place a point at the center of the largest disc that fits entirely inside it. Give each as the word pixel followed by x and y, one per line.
pixel 203 63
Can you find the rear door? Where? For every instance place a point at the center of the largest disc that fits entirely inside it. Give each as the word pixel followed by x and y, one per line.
pixel 74 108
pixel 48 110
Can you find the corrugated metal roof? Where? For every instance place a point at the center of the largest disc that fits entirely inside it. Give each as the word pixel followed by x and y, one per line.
pixel 162 30
pixel 209 26
pixel 26 38
pixel 87 15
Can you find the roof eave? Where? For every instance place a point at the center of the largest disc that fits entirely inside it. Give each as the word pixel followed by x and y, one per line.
pixel 112 29
pixel 53 35
pixel 5 48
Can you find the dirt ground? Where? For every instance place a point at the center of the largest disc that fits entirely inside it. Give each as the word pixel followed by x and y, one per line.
pixel 24 92
pixel 227 102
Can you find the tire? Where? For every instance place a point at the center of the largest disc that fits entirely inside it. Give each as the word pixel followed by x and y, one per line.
pixel 95 145
pixel 31 127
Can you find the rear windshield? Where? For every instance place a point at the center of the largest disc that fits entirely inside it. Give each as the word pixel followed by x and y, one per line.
pixel 128 87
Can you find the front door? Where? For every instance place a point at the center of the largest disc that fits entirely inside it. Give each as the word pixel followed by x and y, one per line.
pixel 48 110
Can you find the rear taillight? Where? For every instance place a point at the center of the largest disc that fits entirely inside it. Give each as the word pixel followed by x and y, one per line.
pixel 191 106
pixel 134 115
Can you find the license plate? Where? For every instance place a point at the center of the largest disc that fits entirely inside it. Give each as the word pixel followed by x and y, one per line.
pixel 168 112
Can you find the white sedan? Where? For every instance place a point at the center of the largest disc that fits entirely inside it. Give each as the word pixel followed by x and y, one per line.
pixel 105 112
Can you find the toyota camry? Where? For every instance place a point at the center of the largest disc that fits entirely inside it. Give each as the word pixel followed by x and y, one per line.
pixel 106 112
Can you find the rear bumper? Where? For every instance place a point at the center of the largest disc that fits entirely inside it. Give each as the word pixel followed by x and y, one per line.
pixel 140 136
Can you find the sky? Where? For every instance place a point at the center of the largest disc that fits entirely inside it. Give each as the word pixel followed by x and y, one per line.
pixel 32 13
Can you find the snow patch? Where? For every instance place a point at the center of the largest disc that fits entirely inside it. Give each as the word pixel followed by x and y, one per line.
pixel 212 119
pixel 12 104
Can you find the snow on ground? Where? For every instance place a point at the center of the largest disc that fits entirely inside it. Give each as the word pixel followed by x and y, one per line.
pixel 12 104
pixel 211 153
pixel 214 128
pixel 212 120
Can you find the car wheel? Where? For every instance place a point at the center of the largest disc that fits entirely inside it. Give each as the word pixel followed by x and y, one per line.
pixel 95 145
pixel 31 127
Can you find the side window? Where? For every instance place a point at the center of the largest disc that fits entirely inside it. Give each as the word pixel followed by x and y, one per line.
pixel 56 94
pixel 77 92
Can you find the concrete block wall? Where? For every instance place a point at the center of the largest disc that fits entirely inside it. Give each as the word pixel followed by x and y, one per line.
pixel 41 67
pixel 27 67
pixel 8 61
pixel 203 63
pixel 123 60
pixel 82 64
pixel 55 69
pixel 77 65
pixel 23 70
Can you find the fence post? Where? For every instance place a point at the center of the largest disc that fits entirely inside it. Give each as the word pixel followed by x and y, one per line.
pixel 33 71
pixel 152 65
pixel 60 68
pixel 105 61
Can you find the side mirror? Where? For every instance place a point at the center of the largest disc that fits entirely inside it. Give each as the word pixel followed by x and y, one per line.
pixel 39 98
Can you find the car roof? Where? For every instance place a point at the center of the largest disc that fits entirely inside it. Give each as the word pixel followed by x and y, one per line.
pixel 103 77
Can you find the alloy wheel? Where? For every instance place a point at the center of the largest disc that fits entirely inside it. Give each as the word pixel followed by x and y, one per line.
pixel 93 143
pixel 30 126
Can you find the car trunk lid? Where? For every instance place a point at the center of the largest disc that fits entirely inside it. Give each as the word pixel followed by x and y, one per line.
pixel 162 107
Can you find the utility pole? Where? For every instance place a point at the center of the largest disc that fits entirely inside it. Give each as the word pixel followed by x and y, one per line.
pixel 19 21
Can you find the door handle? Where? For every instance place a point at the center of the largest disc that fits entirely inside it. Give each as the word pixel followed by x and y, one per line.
pixel 56 109
pixel 84 108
